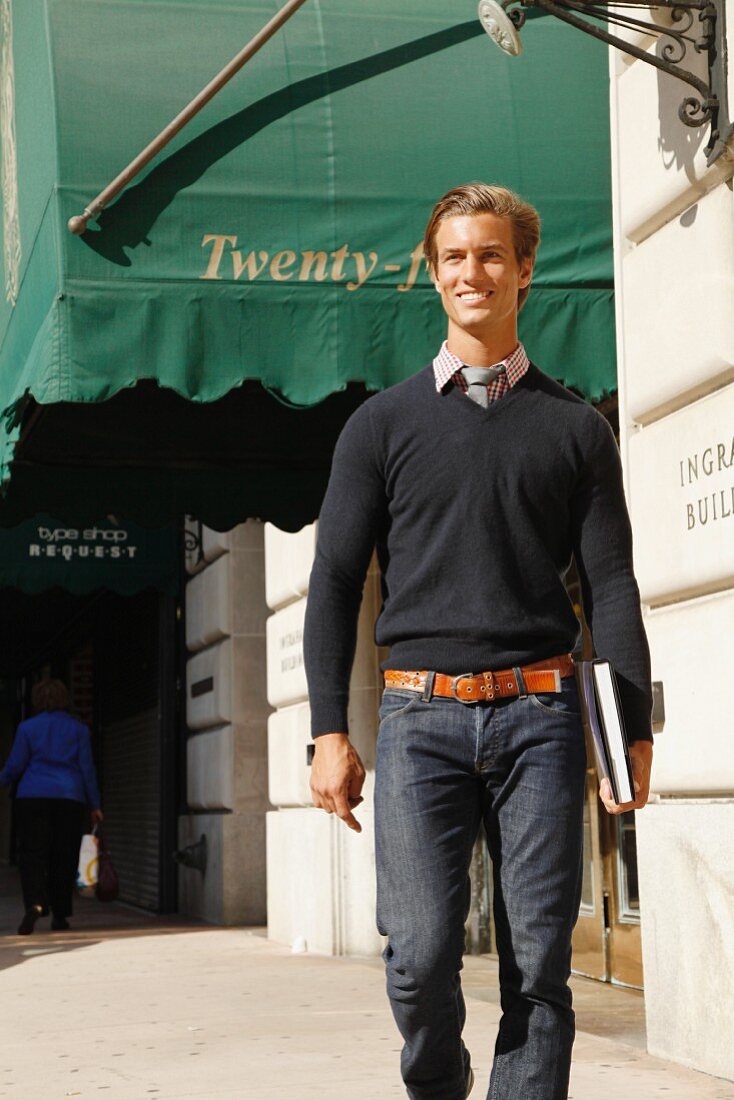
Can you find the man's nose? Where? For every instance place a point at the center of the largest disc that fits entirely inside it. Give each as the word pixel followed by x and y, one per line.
pixel 472 268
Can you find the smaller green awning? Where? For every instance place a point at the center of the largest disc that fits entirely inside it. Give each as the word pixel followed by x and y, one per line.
pixel 41 554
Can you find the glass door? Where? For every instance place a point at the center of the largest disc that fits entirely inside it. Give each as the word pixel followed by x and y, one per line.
pixel 590 955
pixel 624 938
pixel 606 940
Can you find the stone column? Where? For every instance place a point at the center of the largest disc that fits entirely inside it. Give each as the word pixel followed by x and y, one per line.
pixel 321 877
pixel 674 249
pixel 226 759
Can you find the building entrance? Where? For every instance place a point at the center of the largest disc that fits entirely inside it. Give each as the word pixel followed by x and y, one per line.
pixel 118 656
pixel 606 942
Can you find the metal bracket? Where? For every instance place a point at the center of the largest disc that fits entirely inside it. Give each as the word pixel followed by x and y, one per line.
pixel 658 706
pixel 193 855
pixel 698 25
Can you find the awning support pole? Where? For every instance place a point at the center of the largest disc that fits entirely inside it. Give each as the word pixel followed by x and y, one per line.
pixel 78 223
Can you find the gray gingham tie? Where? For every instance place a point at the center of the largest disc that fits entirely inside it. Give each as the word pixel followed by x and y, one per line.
pixel 478 378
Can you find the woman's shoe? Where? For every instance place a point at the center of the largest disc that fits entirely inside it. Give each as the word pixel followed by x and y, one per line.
pixel 30 917
pixel 59 924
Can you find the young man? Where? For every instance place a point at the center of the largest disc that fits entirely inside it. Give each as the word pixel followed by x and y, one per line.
pixel 476 486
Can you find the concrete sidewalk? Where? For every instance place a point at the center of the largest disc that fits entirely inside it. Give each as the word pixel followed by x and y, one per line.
pixel 138 1007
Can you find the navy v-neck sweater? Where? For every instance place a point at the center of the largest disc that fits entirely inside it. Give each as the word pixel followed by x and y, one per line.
pixel 475 514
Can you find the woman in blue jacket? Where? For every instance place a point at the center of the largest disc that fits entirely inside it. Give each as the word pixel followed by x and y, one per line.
pixel 51 758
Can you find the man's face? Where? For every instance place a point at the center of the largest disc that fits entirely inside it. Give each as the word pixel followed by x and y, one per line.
pixel 477 274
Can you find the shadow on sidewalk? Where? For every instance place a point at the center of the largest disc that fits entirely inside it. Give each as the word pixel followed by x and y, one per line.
pixel 604 1010
pixel 91 923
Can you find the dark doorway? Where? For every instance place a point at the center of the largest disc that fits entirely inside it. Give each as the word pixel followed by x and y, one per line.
pixel 118 654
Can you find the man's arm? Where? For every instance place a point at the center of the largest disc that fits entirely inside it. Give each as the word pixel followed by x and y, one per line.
pixel 602 539
pixel 353 511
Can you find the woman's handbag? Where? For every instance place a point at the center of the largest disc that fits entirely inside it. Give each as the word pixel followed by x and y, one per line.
pixel 108 885
pixel 88 868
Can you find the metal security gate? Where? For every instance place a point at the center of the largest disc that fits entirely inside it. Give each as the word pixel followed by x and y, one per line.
pixel 131 740
pixel 130 750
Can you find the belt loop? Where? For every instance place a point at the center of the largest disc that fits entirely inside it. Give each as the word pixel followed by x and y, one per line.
pixel 428 690
pixel 522 690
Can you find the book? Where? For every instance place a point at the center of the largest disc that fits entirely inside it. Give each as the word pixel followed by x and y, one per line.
pixel 600 696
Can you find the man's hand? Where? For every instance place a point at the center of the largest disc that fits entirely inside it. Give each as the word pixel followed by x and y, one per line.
pixel 641 758
pixel 337 775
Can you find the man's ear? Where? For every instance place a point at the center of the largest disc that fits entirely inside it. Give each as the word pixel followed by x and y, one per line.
pixel 431 272
pixel 526 273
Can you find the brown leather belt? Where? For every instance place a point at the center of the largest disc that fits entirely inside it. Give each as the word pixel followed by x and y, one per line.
pixel 478 687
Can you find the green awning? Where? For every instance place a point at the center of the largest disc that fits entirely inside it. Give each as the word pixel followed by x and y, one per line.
pixel 41 554
pixel 274 242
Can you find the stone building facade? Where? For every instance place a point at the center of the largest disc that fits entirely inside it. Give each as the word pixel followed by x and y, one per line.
pixel 674 280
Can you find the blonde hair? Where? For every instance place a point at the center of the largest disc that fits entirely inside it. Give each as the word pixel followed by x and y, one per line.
pixel 487 198
pixel 49 694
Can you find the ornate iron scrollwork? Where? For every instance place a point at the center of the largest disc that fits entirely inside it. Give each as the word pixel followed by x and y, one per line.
pixel 192 539
pixel 693 26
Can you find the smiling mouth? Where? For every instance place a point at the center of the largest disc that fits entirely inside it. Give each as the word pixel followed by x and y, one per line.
pixel 475 295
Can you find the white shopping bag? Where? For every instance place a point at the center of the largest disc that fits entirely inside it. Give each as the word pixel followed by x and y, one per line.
pixel 88 869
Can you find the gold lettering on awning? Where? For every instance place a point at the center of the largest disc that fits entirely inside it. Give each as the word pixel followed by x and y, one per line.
pixel 229 261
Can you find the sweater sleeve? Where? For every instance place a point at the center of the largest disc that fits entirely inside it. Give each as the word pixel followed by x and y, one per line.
pixel 89 774
pixel 602 540
pixel 17 762
pixel 353 510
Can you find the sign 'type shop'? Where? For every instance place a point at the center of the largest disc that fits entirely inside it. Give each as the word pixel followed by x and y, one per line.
pixel 43 553
pixel 112 543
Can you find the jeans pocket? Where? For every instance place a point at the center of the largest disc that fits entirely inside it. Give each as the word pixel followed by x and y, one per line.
pixel 396 702
pixel 565 701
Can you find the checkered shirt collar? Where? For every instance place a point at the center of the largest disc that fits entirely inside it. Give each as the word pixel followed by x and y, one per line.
pixel 447 368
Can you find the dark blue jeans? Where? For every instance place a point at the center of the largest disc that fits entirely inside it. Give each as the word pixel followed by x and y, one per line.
pixel 442 768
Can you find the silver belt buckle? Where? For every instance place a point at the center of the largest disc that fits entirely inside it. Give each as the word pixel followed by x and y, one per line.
pixel 455 683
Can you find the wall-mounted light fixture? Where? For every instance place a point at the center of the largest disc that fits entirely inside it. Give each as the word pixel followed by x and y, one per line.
pixel 690 27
